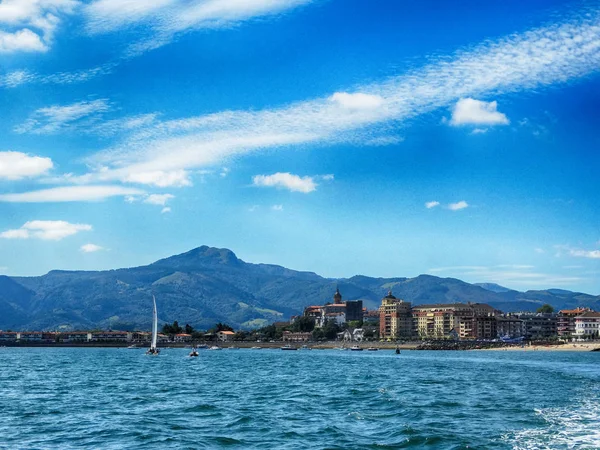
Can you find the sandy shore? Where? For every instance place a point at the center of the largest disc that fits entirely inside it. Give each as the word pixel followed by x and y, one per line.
pixel 575 347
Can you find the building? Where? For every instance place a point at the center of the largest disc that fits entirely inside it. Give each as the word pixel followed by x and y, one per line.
pixel 8 336
pixel 182 337
pixel 30 336
pixel 395 318
pixel 565 321
pixel 338 311
pixel 300 336
pixel 468 320
pixel 538 325
pixel 509 326
pixel 141 336
pixel 587 325
pixel 111 336
pixel 354 311
pixel 225 336
pixel 76 336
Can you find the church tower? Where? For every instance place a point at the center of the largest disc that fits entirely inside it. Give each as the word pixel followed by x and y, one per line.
pixel 337 297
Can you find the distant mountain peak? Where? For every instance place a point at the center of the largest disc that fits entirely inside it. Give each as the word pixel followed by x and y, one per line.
pixel 202 257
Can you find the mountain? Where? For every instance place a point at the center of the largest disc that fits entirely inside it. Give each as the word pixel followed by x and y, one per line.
pixel 208 285
pixel 492 287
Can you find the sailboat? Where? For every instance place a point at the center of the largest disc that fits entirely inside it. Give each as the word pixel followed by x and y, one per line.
pixel 153 350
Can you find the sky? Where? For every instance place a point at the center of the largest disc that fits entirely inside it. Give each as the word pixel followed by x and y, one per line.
pixel 344 137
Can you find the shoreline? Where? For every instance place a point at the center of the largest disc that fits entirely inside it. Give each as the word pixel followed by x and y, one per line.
pixel 573 347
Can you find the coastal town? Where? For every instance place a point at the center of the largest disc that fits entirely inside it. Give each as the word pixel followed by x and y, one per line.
pixel 395 321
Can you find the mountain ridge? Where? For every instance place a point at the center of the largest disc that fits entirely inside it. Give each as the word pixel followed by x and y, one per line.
pixel 207 285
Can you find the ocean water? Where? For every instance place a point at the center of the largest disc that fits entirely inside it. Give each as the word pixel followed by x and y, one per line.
pixel 97 398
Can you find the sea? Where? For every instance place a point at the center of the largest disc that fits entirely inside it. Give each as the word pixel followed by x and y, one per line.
pixel 107 398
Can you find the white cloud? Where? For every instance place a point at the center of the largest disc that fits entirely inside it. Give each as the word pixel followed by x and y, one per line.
pixel 160 21
pixel 55 118
pixel 165 210
pixel 32 23
pixel 592 254
pixel 328 177
pixel 158 199
pixel 253 208
pixel 532 60
pixel 479 131
pixel 16 165
pixel 357 101
pixel 70 194
pixel 468 111
pixel 54 230
pixel 458 206
pixel 432 204
pixel 224 172
pixel 21 41
pixel 277 207
pixel 160 178
pixel 90 248
pixel 539 250
pixel 286 180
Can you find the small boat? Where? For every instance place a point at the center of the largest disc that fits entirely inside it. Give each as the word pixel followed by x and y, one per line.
pixel 254 348
pixel 154 350
pixel 372 349
pixel 305 347
pixel 288 347
pixel 132 347
pixel 356 348
pixel 233 348
pixel 203 346
pixel 214 347
pixel 194 352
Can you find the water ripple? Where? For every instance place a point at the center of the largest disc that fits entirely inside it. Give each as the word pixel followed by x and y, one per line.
pixel 115 399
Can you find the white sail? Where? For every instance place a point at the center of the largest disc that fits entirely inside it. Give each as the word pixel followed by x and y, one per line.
pixel 154 325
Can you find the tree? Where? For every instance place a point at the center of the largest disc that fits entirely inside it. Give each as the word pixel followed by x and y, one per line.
pixel 222 327
pixel 189 329
pixel 172 329
pixel 545 309
pixel 304 324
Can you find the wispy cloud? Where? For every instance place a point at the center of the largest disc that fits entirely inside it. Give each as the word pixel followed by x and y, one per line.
pixel 468 111
pixel 158 22
pixel 432 204
pixel 512 274
pixel 158 199
pixel 277 207
pixel 579 253
pixel 18 78
pixel 458 206
pixel 91 248
pixel 286 180
pixel 32 23
pixel 55 118
pixel 17 165
pixel 70 194
pixel 532 60
pixel 53 230
pixel 165 210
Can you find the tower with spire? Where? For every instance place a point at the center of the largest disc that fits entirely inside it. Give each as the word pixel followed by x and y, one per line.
pixel 337 297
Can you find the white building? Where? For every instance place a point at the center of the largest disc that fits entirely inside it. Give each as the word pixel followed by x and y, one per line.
pixel 225 336
pixel 587 325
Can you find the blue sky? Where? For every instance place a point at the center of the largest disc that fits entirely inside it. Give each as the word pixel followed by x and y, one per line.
pixel 387 138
